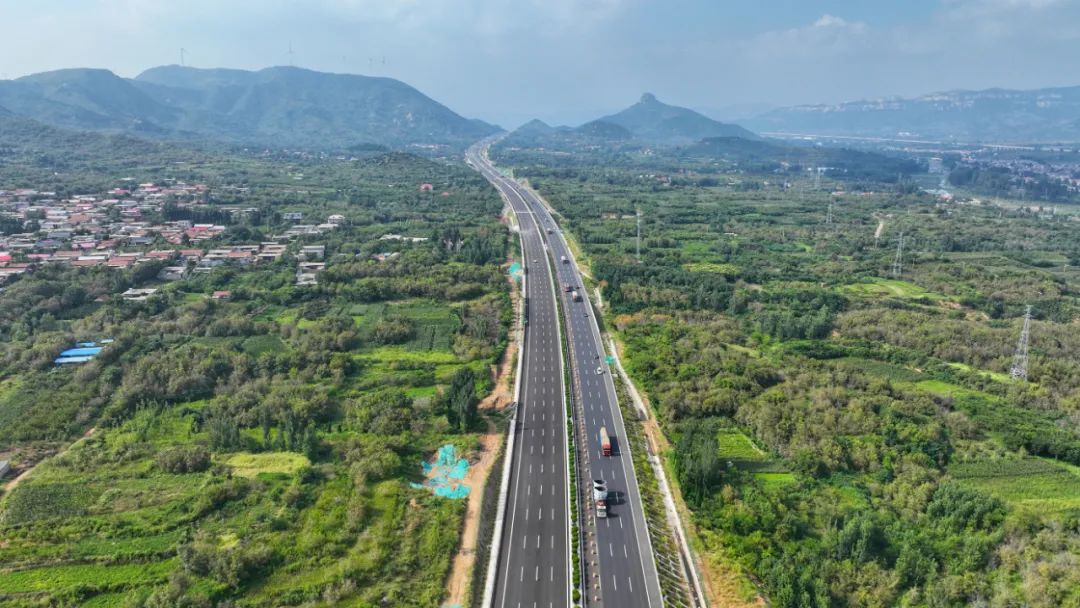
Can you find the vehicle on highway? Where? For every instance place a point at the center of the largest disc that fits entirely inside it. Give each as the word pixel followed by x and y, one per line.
pixel 564 260
pixel 599 370
pixel 575 296
pixel 605 442
pixel 600 494
pixel 568 288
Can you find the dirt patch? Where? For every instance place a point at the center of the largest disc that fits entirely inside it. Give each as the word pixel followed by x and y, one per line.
pixel 461 571
pixel 30 462
pixel 503 393
pixel 502 373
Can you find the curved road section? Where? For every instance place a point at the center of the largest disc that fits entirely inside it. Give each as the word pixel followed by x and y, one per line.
pixel 625 566
pixel 533 561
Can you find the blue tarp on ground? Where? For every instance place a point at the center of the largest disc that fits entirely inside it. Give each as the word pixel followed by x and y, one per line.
pixel 444 474
pixel 515 270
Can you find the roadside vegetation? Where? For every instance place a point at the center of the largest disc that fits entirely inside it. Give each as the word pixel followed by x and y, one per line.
pixel 262 449
pixel 842 436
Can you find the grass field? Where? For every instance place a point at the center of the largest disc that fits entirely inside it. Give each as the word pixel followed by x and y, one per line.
pixel 251 465
pixel 734 445
pixel 1030 484
pixel 893 288
pixel 724 269
pixel 436 323
pixel 103 577
pixel 996 376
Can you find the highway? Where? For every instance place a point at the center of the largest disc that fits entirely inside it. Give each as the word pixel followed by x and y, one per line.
pixel 626 569
pixel 533 561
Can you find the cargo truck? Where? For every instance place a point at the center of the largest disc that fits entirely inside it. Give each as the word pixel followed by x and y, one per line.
pixel 574 295
pixel 605 442
pixel 600 494
pixel 564 260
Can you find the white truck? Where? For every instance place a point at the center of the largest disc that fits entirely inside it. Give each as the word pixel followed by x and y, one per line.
pixel 600 495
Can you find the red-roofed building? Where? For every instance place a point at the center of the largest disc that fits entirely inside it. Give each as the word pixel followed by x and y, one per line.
pixel 118 262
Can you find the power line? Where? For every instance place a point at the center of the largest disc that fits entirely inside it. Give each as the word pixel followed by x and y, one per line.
pixel 1019 369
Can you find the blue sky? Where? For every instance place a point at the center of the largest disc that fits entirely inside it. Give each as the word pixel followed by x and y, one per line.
pixel 567 61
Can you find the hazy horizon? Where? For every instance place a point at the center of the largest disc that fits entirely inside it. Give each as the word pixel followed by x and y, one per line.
pixel 568 61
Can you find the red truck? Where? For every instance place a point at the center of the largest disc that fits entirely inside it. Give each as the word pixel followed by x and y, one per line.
pixel 574 295
pixel 605 442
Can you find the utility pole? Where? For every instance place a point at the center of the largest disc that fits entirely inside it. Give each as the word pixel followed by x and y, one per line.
pixel 828 216
pixel 1019 369
pixel 898 261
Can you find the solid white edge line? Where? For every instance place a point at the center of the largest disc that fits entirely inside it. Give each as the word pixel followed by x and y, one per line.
pixel 508 459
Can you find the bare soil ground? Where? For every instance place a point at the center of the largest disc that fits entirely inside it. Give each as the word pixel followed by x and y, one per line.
pixel 33 461
pixel 503 393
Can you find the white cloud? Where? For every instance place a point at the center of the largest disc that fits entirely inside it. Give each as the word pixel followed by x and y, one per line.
pixel 828 35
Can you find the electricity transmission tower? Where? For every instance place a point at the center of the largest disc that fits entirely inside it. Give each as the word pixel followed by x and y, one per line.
pixel 828 216
pixel 1019 369
pixel 898 260
pixel 638 235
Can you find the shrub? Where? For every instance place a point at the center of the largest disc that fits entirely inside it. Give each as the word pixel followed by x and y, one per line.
pixel 184 459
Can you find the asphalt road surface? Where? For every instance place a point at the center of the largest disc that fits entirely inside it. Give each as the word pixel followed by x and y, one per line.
pixel 625 563
pixel 533 563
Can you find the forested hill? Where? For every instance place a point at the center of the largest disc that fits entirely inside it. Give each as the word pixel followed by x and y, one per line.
pixel 279 106
pixel 654 120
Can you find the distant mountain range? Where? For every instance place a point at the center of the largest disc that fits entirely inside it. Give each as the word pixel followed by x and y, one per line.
pixel 992 115
pixel 279 106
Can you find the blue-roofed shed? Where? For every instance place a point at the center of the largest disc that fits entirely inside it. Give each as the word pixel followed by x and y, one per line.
pixel 89 351
pixel 66 360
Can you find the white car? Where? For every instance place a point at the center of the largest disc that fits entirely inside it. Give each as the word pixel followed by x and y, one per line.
pixel 599 370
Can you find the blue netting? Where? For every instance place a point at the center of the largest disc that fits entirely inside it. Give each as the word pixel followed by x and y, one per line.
pixel 515 270
pixel 443 474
